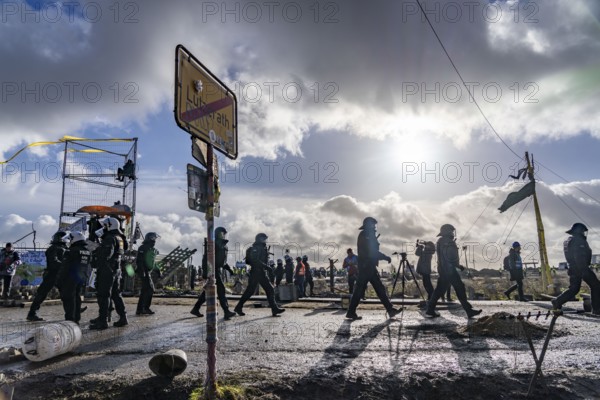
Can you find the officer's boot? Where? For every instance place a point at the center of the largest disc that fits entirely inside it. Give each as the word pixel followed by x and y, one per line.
pixel 110 310
pixel 122 321
pixel 275 310
pixel 32 316
pixel 228 314
pixel 196 311
pixel 238 310
pixel 101 323
pixel 98 324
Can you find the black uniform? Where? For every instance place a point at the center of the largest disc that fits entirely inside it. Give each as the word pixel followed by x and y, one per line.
pixel 108 275
pixel 425 253
pixel 257 257
pixel 55 255
pixel 368 258
pixel 72 278
pixel 448 262
pixel 579 257
pixel 93 225
pixel 220 264
pixel 515 267
pixel 279 272
pixel 193 277
pixel 308 278
pixel 289 270
pixel 144 261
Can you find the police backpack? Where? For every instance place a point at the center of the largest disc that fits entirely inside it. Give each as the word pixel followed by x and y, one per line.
pixel 506 263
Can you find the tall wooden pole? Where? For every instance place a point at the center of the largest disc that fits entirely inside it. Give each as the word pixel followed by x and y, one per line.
pixel 544 266
pixel 210 288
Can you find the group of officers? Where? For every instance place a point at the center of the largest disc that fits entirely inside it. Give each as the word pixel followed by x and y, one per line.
pixel 67 269
pixel 261 271
pixel 68 260
pixel 577 251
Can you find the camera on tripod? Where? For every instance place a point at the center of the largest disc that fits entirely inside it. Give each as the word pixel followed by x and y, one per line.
pixel 403 268
pixel 403 255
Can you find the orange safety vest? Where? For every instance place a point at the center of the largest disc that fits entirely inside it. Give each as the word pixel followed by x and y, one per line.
pixel 300 269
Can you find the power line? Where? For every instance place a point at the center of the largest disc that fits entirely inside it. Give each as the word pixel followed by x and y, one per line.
pixel 492 127
pixel 480 214
pixel 465 84
pixel 566 181
pixel 577 215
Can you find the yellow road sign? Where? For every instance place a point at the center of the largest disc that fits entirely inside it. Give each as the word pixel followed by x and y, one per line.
pixel 204 106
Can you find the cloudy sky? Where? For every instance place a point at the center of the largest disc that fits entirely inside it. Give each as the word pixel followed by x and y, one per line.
pixel 346 109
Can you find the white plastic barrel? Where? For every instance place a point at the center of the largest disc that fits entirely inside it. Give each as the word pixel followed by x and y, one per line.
pixel 51 340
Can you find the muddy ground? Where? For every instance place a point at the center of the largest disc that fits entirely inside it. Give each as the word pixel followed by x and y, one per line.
pixel 312 352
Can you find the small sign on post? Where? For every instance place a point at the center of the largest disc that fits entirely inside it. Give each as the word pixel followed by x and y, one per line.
pixel 204 106
pixel 198 190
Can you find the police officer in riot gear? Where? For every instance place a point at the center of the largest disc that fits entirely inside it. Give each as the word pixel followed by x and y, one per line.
pixel 515 267
pixel 425 252
pixel 368 258
pixel 579 257
pixel 289 269
pixel 448 262
pixel 257 256
pixel 220 265
pixel 145 263
pixel 73 276
pixel 108 260
pixel 55 255
pixel 279 272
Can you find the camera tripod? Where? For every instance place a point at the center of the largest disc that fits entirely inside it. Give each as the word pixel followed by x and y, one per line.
pixel 402 267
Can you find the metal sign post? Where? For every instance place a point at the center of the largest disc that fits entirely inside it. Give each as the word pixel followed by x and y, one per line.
pixel 210 288
pixel 207 109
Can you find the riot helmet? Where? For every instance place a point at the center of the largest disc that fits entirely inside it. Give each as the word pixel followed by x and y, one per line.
pixel 60 237
pixel 76 236
pixel 261 238
pixel 368 222
pixel 446 230
pixel 578 229
pixel 111 224
pixel 220 233
pixel 151 237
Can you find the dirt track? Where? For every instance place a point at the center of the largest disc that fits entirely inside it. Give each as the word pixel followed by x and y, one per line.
pixel 314 353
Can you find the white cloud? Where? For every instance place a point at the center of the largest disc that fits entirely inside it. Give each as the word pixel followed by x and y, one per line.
pixel 366 70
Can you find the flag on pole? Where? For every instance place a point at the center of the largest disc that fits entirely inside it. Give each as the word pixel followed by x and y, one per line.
pixel 515 197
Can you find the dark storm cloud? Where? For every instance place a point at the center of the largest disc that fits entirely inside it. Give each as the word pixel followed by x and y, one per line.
pixel 351 60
